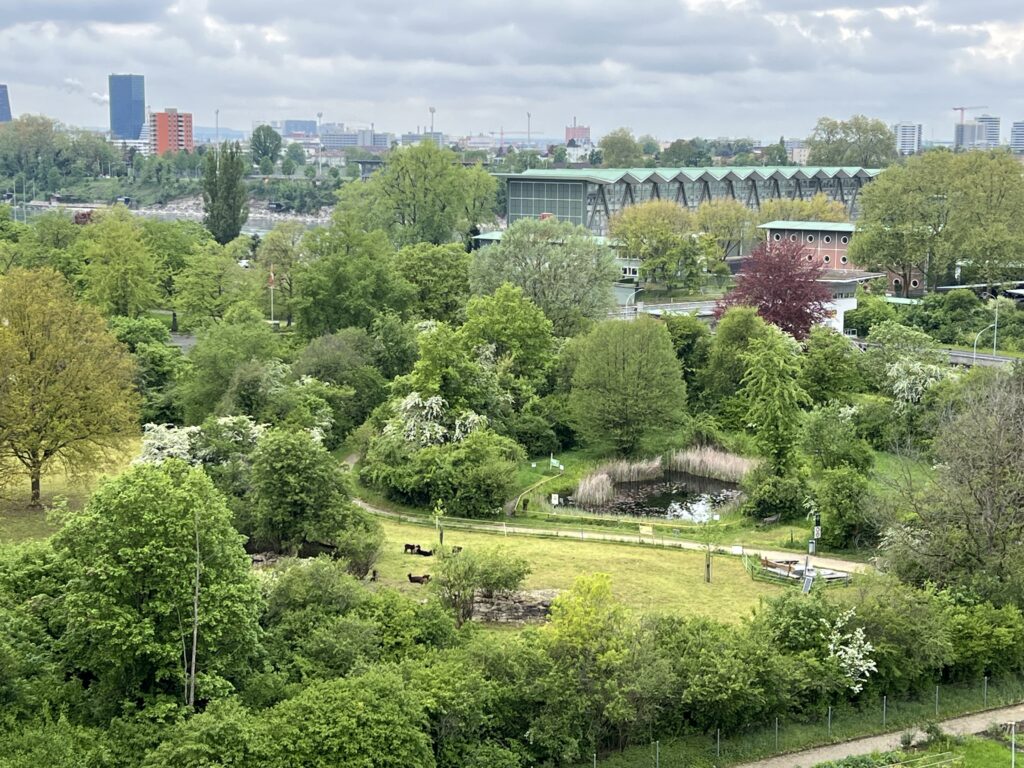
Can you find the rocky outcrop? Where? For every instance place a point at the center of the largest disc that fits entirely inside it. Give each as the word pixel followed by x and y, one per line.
pixel 515 607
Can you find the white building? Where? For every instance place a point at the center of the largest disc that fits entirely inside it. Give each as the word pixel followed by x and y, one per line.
pixel 908 138
pixel 988 132
pixel 1017 137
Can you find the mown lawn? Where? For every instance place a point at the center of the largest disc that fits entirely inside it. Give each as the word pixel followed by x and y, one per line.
pixel 646 578
pixel 20 522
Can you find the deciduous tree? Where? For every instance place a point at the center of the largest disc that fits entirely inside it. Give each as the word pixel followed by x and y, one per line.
pixel 440 274
pixel 859 141
pixel 620 150
pixel 67 396
pixel 265 144
pixel 779 281
pixel 225 199
pixel 161 598
pixel 120 272
pixel 559 266
pixel 628 389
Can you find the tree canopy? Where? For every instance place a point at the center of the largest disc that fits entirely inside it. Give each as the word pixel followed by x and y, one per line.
pixel 559 266
pixel 67 397
pixel 225 199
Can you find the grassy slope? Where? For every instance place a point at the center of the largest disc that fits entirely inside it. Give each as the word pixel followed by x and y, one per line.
pixel 645 578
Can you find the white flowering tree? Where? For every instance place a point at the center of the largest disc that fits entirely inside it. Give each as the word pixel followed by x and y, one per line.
pixel 850 650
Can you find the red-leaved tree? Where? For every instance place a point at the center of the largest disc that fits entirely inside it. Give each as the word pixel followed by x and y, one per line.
pixel 782 285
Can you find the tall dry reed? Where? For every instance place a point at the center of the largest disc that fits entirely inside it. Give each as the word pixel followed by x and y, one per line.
pixel 595 490
pixel 705 461
pixel 623 471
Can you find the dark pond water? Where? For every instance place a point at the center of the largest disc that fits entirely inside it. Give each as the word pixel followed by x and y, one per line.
pixel 677 496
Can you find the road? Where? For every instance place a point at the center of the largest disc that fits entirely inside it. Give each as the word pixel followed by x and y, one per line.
pixel 505 529
pixel 960 726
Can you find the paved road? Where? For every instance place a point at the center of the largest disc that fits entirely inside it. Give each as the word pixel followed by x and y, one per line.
pixel 960 726
pixel 518 530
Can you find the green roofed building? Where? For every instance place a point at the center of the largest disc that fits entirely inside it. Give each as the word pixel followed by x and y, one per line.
pixel 591 196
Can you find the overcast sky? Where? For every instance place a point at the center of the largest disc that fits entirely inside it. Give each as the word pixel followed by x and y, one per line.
pixel 671 68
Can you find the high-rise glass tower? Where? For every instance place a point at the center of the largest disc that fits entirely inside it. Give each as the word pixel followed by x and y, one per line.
pixel 127 106
pixel 5 105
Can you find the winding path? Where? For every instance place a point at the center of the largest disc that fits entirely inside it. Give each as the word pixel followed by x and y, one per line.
pixel 959 726
pixel 505 529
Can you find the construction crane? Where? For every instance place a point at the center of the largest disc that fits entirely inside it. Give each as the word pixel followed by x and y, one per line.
pixel 502 132
pixel 961 110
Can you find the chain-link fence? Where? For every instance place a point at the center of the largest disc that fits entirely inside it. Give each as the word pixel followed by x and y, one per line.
pixel 873 716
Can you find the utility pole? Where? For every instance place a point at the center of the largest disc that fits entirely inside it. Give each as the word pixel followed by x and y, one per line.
pixel 216 148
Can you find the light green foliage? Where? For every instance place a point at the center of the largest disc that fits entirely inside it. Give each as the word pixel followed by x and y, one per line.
pixel 829 368
pixel 559 267
pixel 371 721
pixel 848 516
pixel 447 369
pixel 222 735
pixel 295 153
pixel 225 200
pixel 829 437
pixel 265 144
pixel 171 242
pixel 515 327
pixel 966 531
pixel 672 252
pixel 349 280
pixel 66 396
pixel 320 623
pixel 721 379
pixel 423 194
pixel 132 555
pixel 209 283
pixel 47 242
pixel 773 395
pixel 620 150
pixel 730 222
pixel 440 275
pixel 120 272
pixel 219 350
pixel 459 577
pixel 862 141
pixel 627 390
pixel 820 207
pixel 280 252
pixel 472 476
pixel 894 344
pixel 298 489
pixel 871 310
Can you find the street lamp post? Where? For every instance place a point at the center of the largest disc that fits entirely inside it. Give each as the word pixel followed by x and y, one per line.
pixel 977 338
pixel 632 297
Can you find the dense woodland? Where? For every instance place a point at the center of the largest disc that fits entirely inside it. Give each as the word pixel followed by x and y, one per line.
pixel 141 635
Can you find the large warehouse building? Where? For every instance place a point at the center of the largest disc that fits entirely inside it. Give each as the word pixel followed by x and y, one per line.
pixel 592 196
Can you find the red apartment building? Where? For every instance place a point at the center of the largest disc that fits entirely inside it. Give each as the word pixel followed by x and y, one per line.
pixel 170 131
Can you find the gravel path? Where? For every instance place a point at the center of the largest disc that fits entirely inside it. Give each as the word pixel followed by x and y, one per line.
pixel 960 726
pixel 561 533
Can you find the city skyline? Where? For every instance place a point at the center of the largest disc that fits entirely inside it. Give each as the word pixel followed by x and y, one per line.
pixel 699 67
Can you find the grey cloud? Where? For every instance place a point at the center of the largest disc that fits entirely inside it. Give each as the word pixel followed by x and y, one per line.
pixel 760 67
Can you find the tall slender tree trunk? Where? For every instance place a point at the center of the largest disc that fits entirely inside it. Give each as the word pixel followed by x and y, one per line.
pixel 190 688
pixel 35 477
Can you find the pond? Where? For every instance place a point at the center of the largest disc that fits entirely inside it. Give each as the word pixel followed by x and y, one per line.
pixel 676 496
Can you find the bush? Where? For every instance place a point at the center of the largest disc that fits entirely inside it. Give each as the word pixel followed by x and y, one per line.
pixel 848 517
pixel 769 495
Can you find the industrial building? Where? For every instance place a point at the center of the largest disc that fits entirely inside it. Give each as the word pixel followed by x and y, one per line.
pixel 591 197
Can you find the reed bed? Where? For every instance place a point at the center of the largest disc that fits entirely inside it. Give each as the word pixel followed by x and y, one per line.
pixel 705 461
pixel 596 489
pixel 623 471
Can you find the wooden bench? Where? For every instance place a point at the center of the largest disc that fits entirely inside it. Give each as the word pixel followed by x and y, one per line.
pixel 770 520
